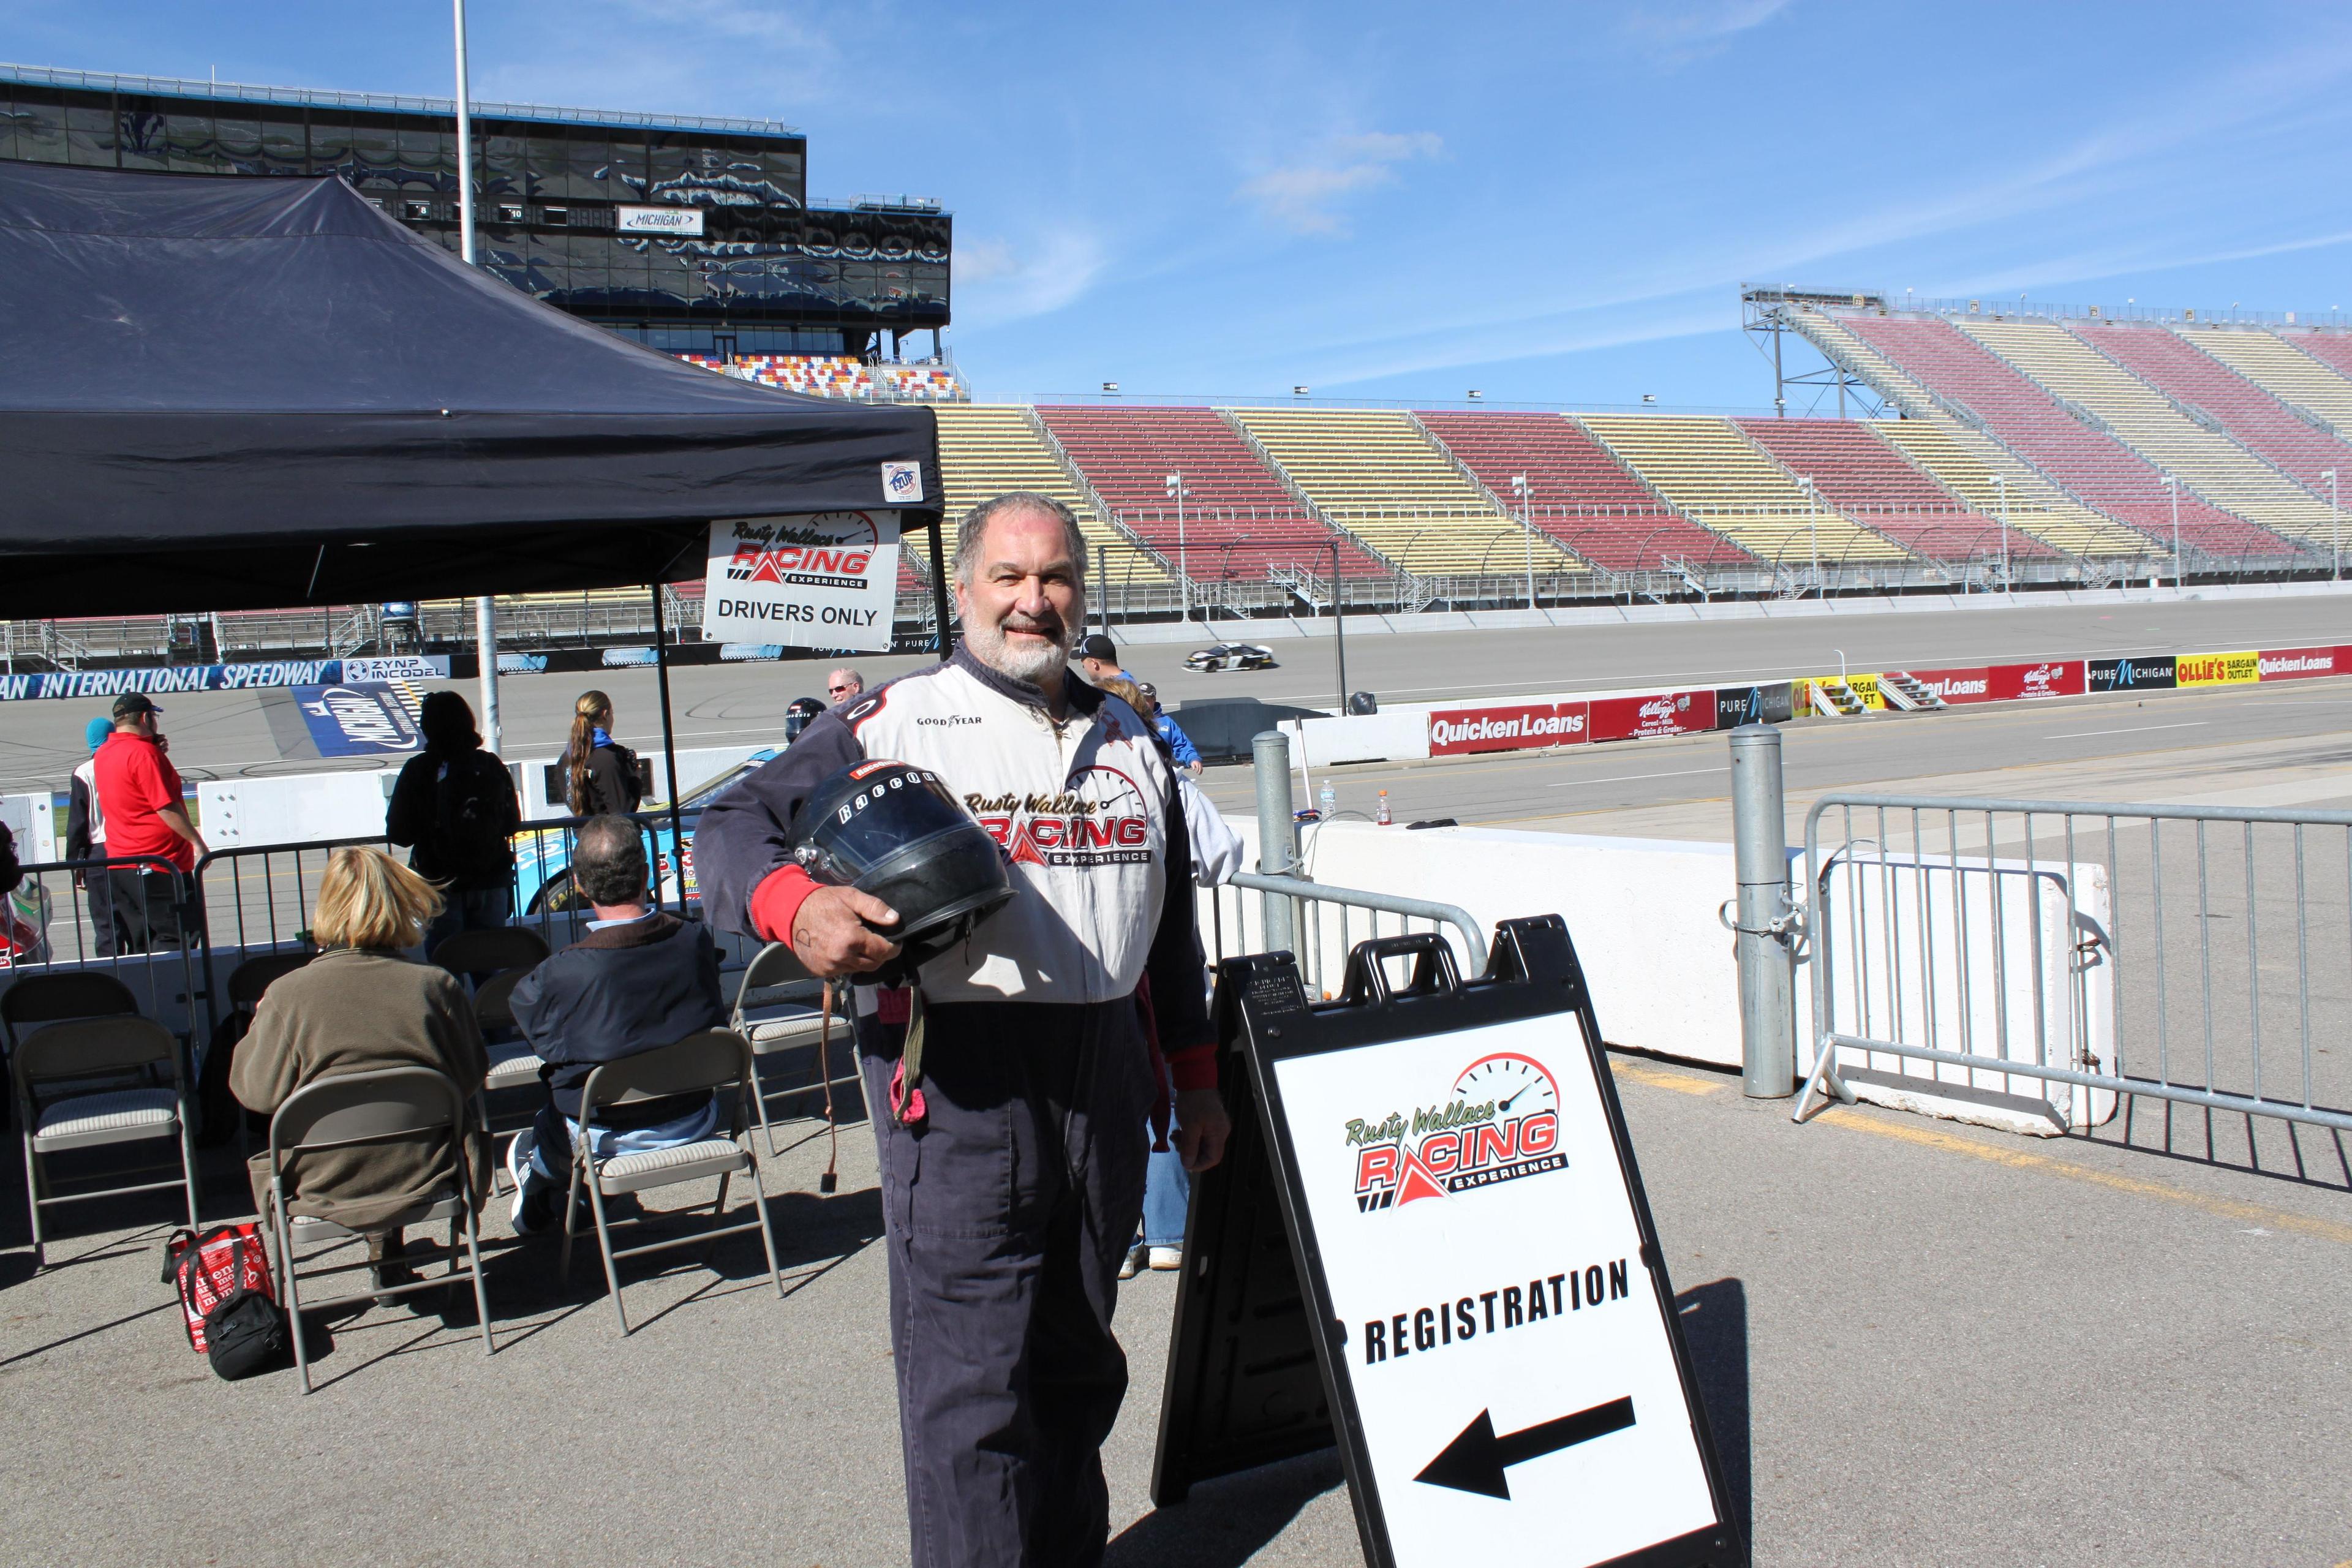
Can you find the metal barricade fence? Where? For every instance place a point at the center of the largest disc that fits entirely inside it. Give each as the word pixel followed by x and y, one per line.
pixel 1972 947
pixel 1328 923
pixel 68 915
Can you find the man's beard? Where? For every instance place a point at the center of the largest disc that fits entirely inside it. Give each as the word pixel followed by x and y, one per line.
pixel 1025 661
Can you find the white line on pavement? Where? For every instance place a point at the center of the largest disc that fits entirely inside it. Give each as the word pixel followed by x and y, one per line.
pixel 1628 778
pixel 2131 730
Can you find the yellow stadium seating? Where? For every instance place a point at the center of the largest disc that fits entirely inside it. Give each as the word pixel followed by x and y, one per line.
pixel 988 448
pixel 1707 468
pixel 2281 369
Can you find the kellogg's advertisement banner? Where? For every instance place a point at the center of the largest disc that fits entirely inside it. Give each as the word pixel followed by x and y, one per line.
pixel 1506 727
pixel 826 579
pixel 2012 682
pixel 1646 718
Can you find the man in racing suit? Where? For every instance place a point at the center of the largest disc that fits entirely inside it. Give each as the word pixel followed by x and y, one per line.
pixel 1012 1181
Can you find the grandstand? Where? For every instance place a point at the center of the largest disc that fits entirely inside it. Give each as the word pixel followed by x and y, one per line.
pixel 1710 469
pixel 1578 491
pixel 1239 529
pixel 839 375
pixel 1968 378
pixel 988 448
pixel 2299 377
pixel 2140 415
pixel 1867 479
pixel 1379 476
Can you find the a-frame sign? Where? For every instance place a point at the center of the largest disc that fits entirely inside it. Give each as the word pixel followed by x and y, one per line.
pixel 1428 1243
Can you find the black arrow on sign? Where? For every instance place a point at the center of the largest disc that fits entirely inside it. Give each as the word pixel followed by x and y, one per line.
pixel 1474 1462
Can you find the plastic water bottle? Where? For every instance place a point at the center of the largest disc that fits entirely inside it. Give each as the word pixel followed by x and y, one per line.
pixel 1328 798
pixel 1380 812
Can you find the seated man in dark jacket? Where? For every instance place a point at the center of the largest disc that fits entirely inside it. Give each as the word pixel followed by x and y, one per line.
pixel 639 980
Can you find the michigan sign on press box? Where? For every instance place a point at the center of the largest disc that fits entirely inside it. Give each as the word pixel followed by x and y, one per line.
pixel 826 579
pixel 1472 1267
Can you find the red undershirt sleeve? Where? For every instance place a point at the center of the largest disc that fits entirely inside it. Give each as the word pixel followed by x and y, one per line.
pixel 777 900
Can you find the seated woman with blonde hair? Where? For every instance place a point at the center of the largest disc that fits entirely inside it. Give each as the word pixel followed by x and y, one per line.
pixel 361 1005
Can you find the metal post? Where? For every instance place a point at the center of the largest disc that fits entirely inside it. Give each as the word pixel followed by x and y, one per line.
pixel 2172 488
pixel 1278 832
pixel 940 599
pixel 2001 484
pixel 1339 627
pixel 669 761
pixel 1183 568
pixel 2336 531
pixel 1519 488
pixel 1767 1014
pixel 486 610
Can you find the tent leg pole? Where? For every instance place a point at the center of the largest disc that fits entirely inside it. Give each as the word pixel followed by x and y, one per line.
pixel 940 584
pixel 669 759
pixel 486 642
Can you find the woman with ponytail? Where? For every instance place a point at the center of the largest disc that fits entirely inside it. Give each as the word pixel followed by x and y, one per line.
pixel 600 774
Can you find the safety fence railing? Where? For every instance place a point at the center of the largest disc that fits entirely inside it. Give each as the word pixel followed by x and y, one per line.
pixel 134 916
pixel 2065 958
pixel 1321 924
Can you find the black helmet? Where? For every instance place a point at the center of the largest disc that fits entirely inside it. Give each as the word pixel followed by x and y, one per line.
pixel 797 714
pixel 891 830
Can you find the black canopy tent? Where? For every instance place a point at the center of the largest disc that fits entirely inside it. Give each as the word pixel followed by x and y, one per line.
pixel 241 393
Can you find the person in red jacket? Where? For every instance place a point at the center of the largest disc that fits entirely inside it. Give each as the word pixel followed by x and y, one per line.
pixel 146 820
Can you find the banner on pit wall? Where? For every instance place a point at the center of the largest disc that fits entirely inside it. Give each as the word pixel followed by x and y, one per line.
pixel 1647 718
pixel 1864 687
pixel 828 579
pixel 85 684
pixel 2051 677
pixel 2241 668
pixel 2301 663
pixel 1506 727
pixel 2156 674
pixel 1958 686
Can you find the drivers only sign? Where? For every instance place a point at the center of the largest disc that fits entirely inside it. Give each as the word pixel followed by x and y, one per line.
pixel 826 579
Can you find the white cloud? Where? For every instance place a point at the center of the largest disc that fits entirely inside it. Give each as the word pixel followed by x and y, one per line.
pixel 998 281
pixel 1303 197
pixel 1685 29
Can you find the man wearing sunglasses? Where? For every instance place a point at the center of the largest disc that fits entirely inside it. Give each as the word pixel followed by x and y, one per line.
pixel 844 684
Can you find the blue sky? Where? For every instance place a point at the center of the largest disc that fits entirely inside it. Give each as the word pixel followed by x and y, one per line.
pixel 1553 204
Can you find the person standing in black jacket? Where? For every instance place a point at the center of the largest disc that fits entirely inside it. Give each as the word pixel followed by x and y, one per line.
pixel 600 774
pixel 638 981
pixel 454 806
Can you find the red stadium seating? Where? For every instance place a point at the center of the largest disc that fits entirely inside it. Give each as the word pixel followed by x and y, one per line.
pixel 2016 410
pixel 1239 520
pixel 1869 481
pixel 2260 423
pixel 1578 491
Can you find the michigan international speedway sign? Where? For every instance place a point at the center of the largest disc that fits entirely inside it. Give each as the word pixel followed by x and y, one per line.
pixel 828 579
pixel 84 684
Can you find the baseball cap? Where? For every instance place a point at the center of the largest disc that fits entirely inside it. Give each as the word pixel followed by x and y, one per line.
pixel 1097 645
pixel 1148 690
pixel 132 702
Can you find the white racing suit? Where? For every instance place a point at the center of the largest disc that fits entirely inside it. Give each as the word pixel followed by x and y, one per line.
pixel 1013 1196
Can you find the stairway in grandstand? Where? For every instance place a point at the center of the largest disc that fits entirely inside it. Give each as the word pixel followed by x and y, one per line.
pixel 1375 474
pixel 1706 467
pixel 1578 491
pixel 2094 466
pixel 1964 461
pixel 1238 523
pixel 2257 421
pixel 2143 419
pixel 988 448
pixel 1871 482
pixel 2276 363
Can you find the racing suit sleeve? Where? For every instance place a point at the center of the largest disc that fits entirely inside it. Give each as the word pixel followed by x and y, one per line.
pixel 743 846
pixel 1180 1003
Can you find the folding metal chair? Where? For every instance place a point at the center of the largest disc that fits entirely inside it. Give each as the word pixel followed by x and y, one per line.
pixel 389 1105
pixel 250 981
pixel 38 999
pixel 70 1060
pixel 501 956
pixel 715 1059
pixel 779 986
pixel 489 951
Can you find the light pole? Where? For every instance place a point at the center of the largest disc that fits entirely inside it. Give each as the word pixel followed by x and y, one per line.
pixel 486 608
pixel 1813 527
pixel 2001 486
pixel 1177 492
pixel 2172 488
pixel 1520 492
pixel 2336 533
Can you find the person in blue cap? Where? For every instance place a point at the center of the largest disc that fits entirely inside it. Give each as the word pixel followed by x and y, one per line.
pixel 86 839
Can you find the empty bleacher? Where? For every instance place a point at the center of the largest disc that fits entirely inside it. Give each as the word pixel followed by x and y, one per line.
pixel 2144 419
pixel 1707 468
pixel 2332 349
pixel 1238 522
pixel 2279 367
pixel 1377 475
pixel 1964 459
pixel 2093 465
pixel 988 448
pixel 1867 479
pixel 2256 420
pixel 1578 491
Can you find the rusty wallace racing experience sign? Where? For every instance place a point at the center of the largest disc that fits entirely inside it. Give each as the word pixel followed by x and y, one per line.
pixel 826 579
pixel 1428 1243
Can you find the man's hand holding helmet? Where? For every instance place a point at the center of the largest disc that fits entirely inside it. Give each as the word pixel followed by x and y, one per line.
pixel 833 934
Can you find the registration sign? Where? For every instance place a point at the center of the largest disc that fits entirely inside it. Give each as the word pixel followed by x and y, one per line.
pixel 826 579
pixel 1503 1368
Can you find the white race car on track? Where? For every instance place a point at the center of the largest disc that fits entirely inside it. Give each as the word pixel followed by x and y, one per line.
pixel 1230 656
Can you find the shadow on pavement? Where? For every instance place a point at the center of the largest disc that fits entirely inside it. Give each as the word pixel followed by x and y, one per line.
pixel 1714 1326
pixel 1226 1521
